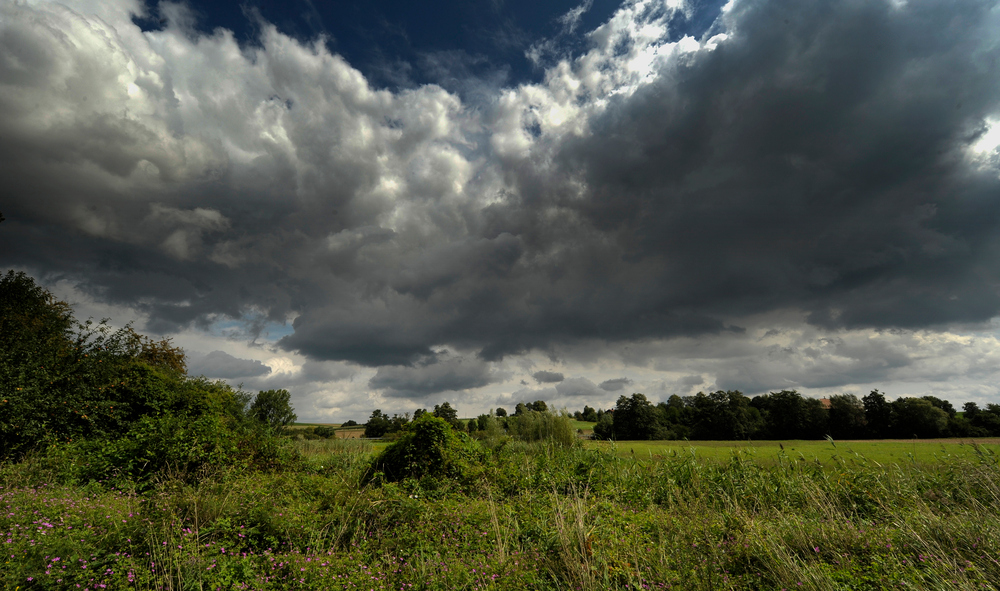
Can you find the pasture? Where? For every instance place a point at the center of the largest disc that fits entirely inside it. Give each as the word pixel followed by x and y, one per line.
pixel 883 452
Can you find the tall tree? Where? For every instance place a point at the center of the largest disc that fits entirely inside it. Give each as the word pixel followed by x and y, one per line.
pixel 878 414
pixel 446 412
pixel 847 416
pixel 635 418
pixel 725 415
pixel 787 415
pixel 916 417
pixel 378 424
pixel 273 408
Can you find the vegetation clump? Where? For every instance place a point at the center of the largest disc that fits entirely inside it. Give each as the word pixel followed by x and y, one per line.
pixel 429 447
pixel 116 406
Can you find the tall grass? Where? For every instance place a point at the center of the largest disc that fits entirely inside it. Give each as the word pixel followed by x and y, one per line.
pixel 542 516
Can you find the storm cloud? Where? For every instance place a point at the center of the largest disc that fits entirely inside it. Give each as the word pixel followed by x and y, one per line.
pixel 548 377
pixel 439 375
pixel 219 364
pixel 615 384
pixel 825 159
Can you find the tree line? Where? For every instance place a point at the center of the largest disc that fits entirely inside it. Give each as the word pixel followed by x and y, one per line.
pixel 731 415
pixel 531 421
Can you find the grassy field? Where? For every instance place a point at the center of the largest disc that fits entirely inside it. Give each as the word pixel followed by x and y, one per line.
pixel 885 452
pixel 531 516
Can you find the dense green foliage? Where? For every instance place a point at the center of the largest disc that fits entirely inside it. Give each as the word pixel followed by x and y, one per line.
pixel 428 450
pixel 63 381
pixel 532 422
pixel 113 405
pixel 273 409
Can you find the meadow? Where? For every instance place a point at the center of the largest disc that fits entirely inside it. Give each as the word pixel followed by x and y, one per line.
pixel 878 452
pixel 531 516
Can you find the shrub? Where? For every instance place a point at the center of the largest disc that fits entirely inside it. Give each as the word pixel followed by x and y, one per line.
pixel 182 446
pixel 428 447
pixel 534 425
pixel 325 432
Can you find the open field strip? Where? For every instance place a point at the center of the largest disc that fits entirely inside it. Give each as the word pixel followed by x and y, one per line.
pixel 889 451
pixel 885 452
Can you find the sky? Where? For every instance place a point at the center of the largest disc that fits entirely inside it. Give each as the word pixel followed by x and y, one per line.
pixel 392 204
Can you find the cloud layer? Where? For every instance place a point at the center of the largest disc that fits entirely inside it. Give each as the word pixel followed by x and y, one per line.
pixel 825 160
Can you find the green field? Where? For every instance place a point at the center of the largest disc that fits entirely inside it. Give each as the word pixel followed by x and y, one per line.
pixel 592 516
pixel 921 451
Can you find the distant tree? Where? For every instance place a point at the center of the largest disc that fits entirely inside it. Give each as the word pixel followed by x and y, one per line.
pixel 987 421
pixel 349 423
pixel 636 418
pixel 878 414
pixel 916 417
pixel 676 415
pixel 788 415
pixel 472 426
pixel 418 413
pixel 326 432
pixel 605 427
pixel 538 406
pixel 273 409
pixel 446 412
pixel 378 424
pixel 971 409
pixel 501 412
pixel 847 416
pixel 398 422
pixel 942 404
pixel 588 414
pixel 520 409
pixel 725 415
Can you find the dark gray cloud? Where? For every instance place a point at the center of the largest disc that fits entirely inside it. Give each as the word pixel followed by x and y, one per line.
pixel 548 377
pixel 219 364
pixel 578 388
pixel 615 384
pixel 693 380
pixel 817 159
pixel 434 376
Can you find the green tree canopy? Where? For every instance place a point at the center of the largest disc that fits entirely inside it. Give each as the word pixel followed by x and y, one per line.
pixel 847 416
pixel 273 408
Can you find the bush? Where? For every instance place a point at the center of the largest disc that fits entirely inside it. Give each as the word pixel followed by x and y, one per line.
pixel 181 446
pixel 325 432
pixel 534 425
pixel 428 447
pixel 491 433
